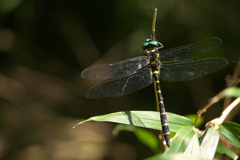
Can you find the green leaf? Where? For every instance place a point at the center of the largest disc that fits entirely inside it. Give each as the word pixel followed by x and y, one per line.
pixel 232 127
pixel 193 117
pixel 193 147
pixel 224 150
pixel 232 92
pixel 181 140
pixel 175 157
pixel 144 136
pixel 209 142
pixel 231 131
pixel 146 119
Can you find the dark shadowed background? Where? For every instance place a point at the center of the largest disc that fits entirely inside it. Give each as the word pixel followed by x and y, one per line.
pixel 45 44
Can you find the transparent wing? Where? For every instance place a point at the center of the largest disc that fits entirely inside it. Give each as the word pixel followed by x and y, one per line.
pixel 190 51
pixel 125 85
pixel 115 70
pixel 188 70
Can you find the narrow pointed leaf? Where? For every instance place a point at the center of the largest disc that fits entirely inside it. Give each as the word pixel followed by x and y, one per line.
pixel 231 131
pixel 209 142
pixel 224 150
pixel 146 119
pixel 232 127
pixel 181 140
pixel 193 147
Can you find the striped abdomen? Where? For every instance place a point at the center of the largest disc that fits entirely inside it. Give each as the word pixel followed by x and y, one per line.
pixel 160 105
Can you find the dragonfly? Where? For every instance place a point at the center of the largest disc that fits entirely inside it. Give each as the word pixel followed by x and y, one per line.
pixel 174 64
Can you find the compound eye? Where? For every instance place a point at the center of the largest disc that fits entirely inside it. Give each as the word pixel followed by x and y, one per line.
pixel 145 44
pixel 154 43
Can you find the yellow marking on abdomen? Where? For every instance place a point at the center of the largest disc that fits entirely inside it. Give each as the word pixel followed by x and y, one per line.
pixel 160 102
pixel 163 113
pixel 155 72
pixel 166 133
pixel 164 124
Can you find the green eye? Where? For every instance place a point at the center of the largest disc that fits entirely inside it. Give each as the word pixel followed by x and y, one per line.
pixel 154 43
pixel 145 44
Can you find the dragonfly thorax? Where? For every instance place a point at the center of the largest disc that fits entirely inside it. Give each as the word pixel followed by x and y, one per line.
pixel 152 55
pixel 151 52
pixel 149 43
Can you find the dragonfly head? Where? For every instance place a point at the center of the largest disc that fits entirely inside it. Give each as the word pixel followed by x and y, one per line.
pixel 151 43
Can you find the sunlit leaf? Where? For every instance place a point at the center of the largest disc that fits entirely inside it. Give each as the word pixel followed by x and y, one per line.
pixel 193 147
pixel 146 119
pixel 181 140
pixel 232 92
pixel 144 136
pixel 231 131
pixel 224 150
pixel 209 142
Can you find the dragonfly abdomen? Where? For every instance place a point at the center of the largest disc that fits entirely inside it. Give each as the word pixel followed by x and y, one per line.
pixel 160 104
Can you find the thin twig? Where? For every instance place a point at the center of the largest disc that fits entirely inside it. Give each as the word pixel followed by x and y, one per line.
pixel 211 102
pixel 225 113
pixel 232 81
pixel 234 84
